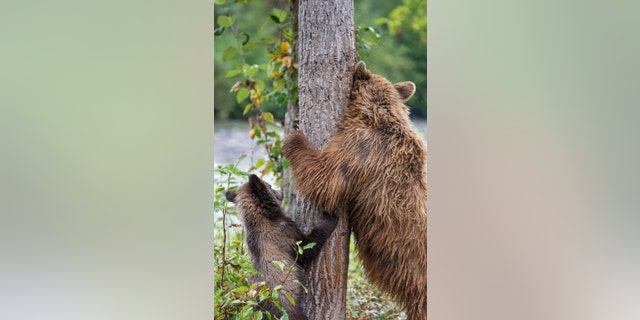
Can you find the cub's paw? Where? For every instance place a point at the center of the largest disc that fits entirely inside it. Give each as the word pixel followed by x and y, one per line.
pixel 329 220
pixel 293 143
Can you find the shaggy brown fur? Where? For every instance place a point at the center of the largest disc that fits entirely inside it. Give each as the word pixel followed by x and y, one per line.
pixel 375 167
pixel 272 236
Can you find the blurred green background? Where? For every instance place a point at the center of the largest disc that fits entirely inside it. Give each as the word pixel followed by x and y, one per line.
pixel 105 159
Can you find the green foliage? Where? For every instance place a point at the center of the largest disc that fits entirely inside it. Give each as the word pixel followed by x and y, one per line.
pixel 366 38
pixel 264 82
pixel 411 15
pixel 254 59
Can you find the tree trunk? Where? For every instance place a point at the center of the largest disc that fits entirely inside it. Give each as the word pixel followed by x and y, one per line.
pixel 326 59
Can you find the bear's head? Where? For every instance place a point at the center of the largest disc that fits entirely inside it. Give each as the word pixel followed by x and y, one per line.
pixel 377 97
pixel 256 198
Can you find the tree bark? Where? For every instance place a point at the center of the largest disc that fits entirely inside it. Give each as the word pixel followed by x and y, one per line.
pixel 326 57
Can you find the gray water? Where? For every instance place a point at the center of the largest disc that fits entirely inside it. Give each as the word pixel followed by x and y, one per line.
pixel 231 140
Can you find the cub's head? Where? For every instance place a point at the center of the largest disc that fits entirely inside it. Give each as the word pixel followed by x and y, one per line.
pixel 376 95
pixel 255 198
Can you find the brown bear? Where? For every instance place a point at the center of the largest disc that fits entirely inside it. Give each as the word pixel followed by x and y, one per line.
pixel 272 236
pixel 375 168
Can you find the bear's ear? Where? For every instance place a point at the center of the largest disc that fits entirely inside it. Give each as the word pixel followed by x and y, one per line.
pixel 231 195
pixel 405 89
pixel 361 72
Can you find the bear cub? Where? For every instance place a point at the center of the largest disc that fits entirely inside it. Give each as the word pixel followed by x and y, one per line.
pixel 272 236
pixel 375 167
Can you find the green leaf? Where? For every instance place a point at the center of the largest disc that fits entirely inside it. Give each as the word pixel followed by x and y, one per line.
pixel 246 312
pixel 252 70
pixel 271 133
pixel 279 85
pixel 309 245
pixel 281 98
pixel 235 302
pixel 229 53
pixel 290 298
pixel 246 39
pixel 287 33
pixel 246 47
pixel 247 108
pixel 279 265
pixel 374 35
pixel 220 1
pixel 268 116
pixel 380 21
pixel 271 40
pixel 259 85
pixel 239 172
pixel 276 149
pixel 241 290
pixel 300 283
pixel 278 15
pixel 259 163
pixel 233 72
pixel 242 94
pixel 225 21
pixel 257 315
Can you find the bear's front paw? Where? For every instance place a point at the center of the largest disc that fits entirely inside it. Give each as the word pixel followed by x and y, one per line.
pixel 293 143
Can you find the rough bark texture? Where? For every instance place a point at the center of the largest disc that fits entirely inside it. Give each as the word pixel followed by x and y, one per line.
pixel 326 58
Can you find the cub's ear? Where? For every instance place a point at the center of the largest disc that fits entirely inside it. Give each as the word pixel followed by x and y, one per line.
pixel 361 72
pixel 256 183
pixel 231 195
pixel 255 179
pixel 405 89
